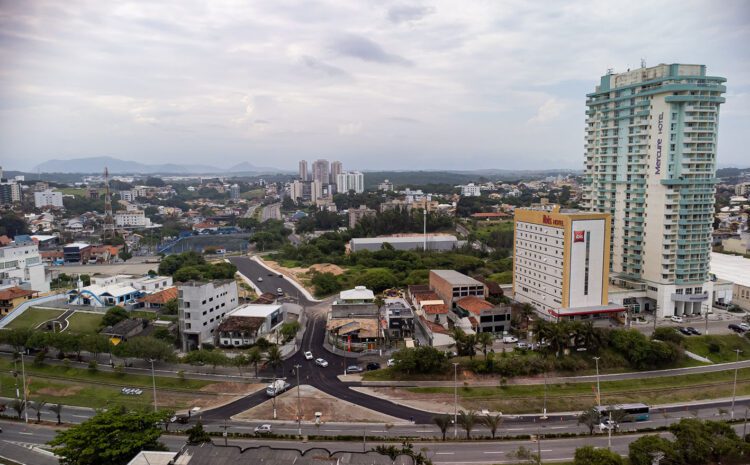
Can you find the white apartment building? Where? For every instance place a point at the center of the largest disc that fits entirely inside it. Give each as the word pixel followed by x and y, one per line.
pixel 350 181
pixel 561 261
pixel 651 137
pixel 132 219
pixel 470 190
pixel 201 306
pixel 48 198
pixel 22 266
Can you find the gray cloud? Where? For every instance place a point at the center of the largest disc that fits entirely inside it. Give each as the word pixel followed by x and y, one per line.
pixel 404 13
pixel 317 65
pixel 365 49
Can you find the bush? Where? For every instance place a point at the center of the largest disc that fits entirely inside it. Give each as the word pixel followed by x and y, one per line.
pixel 714 347
pixel 668 335
pixel 422 359
pixel 93 366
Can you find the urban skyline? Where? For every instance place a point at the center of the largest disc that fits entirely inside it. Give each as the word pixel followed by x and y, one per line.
pixel 410 87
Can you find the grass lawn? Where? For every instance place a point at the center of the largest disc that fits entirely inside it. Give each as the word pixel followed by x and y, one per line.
pixel 719 349
pixel 78 386
pixel 33 317
pixel 575 396
pixel 143 314
pixel 78 192
pixel 84 323
pixel 253 194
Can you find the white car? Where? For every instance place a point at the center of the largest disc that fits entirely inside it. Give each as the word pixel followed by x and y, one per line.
pixel 263 429
pixel 279 291
pixel 522 345
pixel 308 355
pixel 260 279
pixel 745 326
pixel 321 362
pixel 676 319
pixel 510 339
pixel 391 362
pixel 607 425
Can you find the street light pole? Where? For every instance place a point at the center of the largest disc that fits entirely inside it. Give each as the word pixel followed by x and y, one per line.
pixel 25 400
pixel 153 381
pixel 598 391
pixel 455 400
pixel 299 408
pixel 734 389
pixel 544 410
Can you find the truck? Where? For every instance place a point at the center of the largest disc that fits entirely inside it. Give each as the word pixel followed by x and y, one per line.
pixel 277 387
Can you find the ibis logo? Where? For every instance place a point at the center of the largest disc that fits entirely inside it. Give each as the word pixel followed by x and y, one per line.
pixel 579 236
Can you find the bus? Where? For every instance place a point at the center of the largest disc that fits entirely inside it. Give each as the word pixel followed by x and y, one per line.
pixel 635 412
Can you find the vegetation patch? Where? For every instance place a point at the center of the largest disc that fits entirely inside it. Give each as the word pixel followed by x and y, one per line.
pixel 720 348
pixel 33 317
pixel 84 322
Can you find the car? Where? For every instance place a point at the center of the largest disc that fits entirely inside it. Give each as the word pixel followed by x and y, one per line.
pixel 321 362
pixel 685 331
pixel 308 355
pixel 263 429
pixel 745 326
pixel 522 345
pixel 736 328
pixel 391 362
pixel 260 279
pixel 510 340
pixel 270 274
pixel 182 419
pixel 676 319
pixel 281 276
pixel 354 369
pixel 693 331
pixel 607 425
pixel 280 291
pixel 373 366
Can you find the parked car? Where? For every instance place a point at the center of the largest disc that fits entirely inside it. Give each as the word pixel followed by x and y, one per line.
pixel 260 279
pixel 321 362
pixel 736 328
pixel 263 429
pixel 281 275
pixel 522 345
pixel 279 291
pixel 270 274
pixel 308 355
pixel 510 339
pixel 745 326
pixel 693 331
pixel 676 319
pixel 391 362
pixel 354 369
pixel 685 331
pixel 373 366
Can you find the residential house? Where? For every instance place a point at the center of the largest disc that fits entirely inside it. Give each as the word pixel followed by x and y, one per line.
pixel 12 297
pixel 246 323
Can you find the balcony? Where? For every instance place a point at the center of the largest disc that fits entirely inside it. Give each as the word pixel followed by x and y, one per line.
pixel 689 297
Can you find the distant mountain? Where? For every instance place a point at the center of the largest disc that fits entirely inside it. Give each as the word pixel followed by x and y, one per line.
pixel 118 166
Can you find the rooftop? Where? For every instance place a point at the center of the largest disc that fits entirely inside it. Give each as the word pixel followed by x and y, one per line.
pixel 15 293
pixel 404 239
pixel 474 304
pixel 234 323
pixel 435 309
pixel 254 310
pixel 161 297
pixel 731 268
pixel 358 293
pixel 80 245
pixel 455 278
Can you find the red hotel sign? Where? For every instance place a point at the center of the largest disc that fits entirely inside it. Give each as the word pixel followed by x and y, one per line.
pixel 578 236
pixel 549 220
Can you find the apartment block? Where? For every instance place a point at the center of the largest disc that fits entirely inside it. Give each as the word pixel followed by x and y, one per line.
pixel 21 265
pixel 651 136
pixel 48 198
pixel 201 306
pixel 451 286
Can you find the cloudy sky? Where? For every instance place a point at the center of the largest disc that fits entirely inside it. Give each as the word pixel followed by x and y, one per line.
pixel 377 84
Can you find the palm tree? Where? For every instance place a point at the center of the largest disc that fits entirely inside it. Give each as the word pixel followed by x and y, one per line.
pixel 590 418
pixel 484 340
pixel 443 422
pixel 57 410
pixel 274 357
pixel 525 312
pixel 37 407
pixel 239 361
pixel 493 422
pixel 467 420
pixel 254 357
pixel 18 405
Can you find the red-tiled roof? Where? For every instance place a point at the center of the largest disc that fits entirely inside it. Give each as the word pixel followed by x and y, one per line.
pixel 5 240
pixel 424 296
pixel 205 225
pixel 432 326
pixel 51 254
pixel 490 215
pixel 14 293
pixel 161 297
pixel 435 309
pixel 474 304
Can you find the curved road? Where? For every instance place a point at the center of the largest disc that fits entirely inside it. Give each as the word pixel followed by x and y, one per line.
pixel 326 379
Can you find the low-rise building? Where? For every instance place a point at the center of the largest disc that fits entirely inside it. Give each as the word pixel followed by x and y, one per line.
pixel 201 306
pixel 158 299
pixel 48 198
pixel 246 323
pixel 126 329
pixel 452 286
pixel 489 318
pixel 734 269
pixel 439 242
pixel 13 296
pixel 399 318
pixel 357 214
pixel 132 219
pixel 21 265
pixel 355 303
pixel 77 252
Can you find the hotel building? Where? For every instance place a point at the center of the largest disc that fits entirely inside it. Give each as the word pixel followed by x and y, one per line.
pixel 651 137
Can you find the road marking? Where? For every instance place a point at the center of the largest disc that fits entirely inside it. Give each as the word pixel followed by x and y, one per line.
pixel 28 434
pixel 80 416
pixel 494 452
pixel 444 453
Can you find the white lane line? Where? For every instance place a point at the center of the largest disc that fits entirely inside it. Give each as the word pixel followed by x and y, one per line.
pixel 81 416
pixel 494 452
pixel 444 453
pixel 28 434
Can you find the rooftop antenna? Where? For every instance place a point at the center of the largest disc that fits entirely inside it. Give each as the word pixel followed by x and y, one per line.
pixel 610 71
pixel 109 225
pixel 643 62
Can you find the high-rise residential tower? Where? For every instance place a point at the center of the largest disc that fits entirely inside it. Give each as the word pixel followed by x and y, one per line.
pixel 336 169
pixel 303 170
pixel 651 137
pixel 320 171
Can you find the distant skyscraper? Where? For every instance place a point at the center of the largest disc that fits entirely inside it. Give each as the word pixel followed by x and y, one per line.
pixel 336 169
pixel 303 170
pixel 320 171
pixel 234 192
pixel 651 138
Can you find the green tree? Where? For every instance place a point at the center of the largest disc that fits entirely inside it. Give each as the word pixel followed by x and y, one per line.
pixel 443 422
pixel 113 316
pixel 125 254
pixel 146 348
pixel 587 455
pixel 38 406
pixel 207 357
pixel 18 406
pixel 198 435
pixel 112 436
pixel 273 356
pixel 642 450
pixel 95 344
pixel 422 359
pixel 668 334
pixel 492 422
pixel 325 284
pixel 254 357
pixel 16 337
pixel 525 455
pixel 589 418
pixel 698 442
pixel 57 410
pixel 288 330
pixel 170 307
pixel 484 340
pixel 467 420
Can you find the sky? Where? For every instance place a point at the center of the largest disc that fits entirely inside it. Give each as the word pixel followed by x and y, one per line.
pixel 376 84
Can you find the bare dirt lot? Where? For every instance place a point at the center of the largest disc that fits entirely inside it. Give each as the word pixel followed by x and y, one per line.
pixel 313 400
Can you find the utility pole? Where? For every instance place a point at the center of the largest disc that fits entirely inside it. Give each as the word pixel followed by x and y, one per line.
pixel 25 400
pixel 598 391
pixel 225 434
pixel 299 408
pixel 455 400
pixel 734 389
pixel 706 319
pixel 153 381
pixel 609 432
pixel 544 410
pixel 744 427
pixel 274 396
